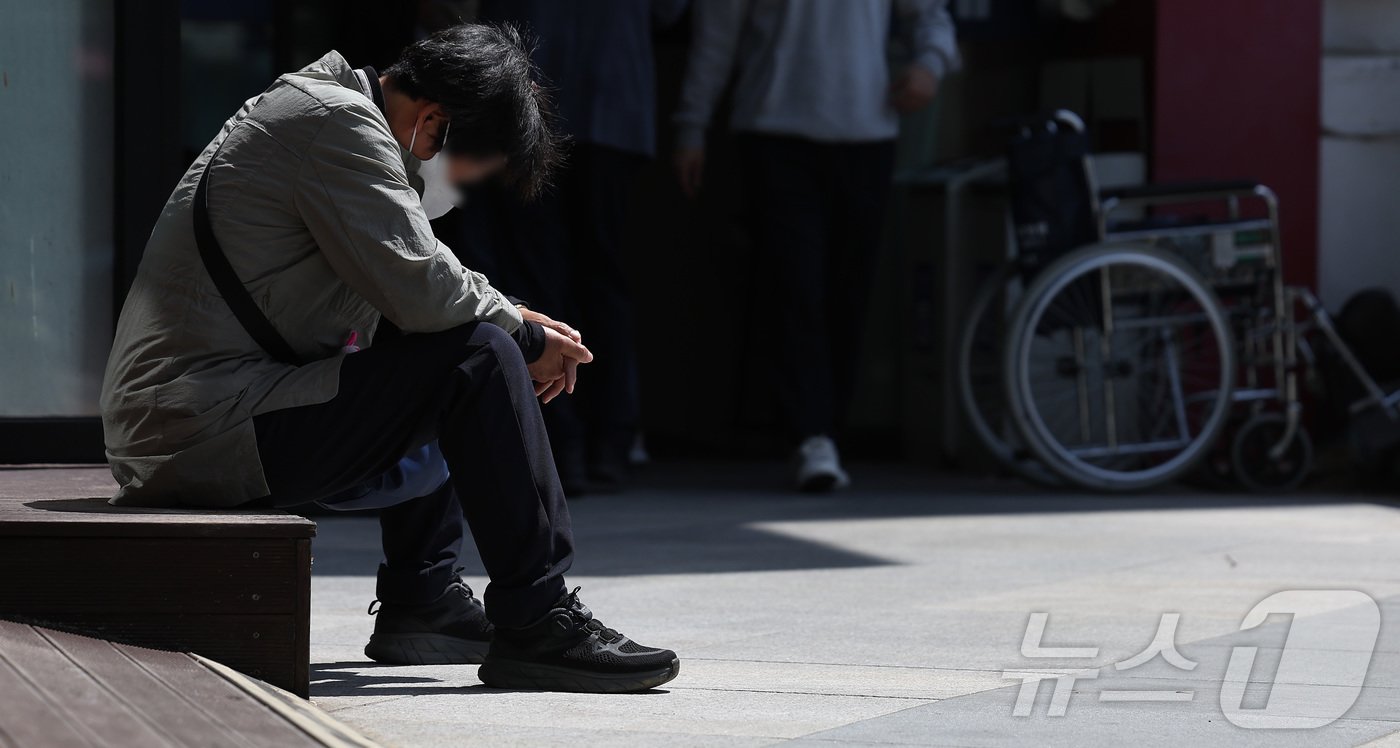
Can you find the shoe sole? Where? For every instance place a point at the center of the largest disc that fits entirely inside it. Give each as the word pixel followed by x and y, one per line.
pixel 535 677
pixel 425 649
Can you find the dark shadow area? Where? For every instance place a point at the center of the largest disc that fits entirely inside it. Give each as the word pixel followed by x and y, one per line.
pixel 29 482
pixel 899 489
pixel 100 506
pixel 329 679
pixel 705 518
pixel 350 679
pixel 83 506
pixel 24 441
pixel 712 548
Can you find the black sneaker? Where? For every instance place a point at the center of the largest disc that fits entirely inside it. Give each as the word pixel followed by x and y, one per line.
pixel 451 630
pixel 570 650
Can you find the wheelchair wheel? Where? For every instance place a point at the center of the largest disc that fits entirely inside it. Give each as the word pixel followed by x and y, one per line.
pixel 1119 367
pixel 981 386
pixel 1249 455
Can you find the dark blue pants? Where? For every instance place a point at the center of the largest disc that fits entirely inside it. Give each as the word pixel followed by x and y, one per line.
pixel 464 397
pixel 563 253
pixel 817 210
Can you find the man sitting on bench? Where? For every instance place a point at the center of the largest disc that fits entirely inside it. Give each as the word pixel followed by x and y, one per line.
pixel 235 377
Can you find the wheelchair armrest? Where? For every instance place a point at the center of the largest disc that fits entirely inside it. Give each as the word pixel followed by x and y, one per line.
pixel 1180 191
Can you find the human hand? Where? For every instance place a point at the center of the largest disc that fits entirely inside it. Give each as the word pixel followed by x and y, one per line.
pixel 556 370
pixel 531 315
pixel 913 89
pixel 690 169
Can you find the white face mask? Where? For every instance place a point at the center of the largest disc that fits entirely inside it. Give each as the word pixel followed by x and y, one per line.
pixel 439 194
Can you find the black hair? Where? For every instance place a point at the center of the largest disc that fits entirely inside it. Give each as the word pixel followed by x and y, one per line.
pixel 484 79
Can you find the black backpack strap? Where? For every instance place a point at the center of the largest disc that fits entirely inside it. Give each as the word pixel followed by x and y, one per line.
pixel 230 287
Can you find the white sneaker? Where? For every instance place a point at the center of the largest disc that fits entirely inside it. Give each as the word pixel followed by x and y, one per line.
pixel 638 454
pixel 819 466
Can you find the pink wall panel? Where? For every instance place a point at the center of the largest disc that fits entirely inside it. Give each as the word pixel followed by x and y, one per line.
pixel 1236 87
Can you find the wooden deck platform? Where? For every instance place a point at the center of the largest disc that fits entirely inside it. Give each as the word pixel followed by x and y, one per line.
pixel 59 690
pixel 230 585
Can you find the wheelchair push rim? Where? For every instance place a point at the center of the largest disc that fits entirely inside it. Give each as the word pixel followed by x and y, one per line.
pixel 1120 367
pixel 980 357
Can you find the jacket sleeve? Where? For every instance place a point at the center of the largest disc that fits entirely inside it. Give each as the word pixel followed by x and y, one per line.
pixel 353 193
pixel 715 29
pixel 930 33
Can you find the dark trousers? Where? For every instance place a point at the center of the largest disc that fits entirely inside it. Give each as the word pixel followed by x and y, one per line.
pixel 469 389
pixel 596 192
pixel 563 254
pixel 817 211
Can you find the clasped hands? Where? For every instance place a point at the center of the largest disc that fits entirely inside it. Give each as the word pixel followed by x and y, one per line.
pixel 556 370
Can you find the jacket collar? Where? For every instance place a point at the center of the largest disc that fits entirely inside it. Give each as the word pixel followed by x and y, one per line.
pixel 333 66
pixel 376 92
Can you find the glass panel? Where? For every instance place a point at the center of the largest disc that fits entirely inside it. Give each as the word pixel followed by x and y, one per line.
pixel 56 178
pixel 225 59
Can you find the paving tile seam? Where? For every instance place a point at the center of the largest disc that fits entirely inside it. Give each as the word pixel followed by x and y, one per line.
pixel 1084 579
pixel 648 731
pixel 934 668
pixel 838 741
pixel 921 699
pixel 1124 675
pixel 1169 557
pixel 673 687
pixel 1116 674
pixel 1367 720
pixel 881 716
pixel 385 700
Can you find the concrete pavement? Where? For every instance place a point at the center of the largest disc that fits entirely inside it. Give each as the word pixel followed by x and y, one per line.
pixel 898 613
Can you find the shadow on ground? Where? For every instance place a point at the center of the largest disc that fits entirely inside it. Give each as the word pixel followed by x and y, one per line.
pixel 331 679
pixel 698 518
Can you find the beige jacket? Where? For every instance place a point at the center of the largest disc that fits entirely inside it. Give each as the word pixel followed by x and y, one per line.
pixel 310 198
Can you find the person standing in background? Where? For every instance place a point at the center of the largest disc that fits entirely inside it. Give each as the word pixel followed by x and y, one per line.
pixel 564 251
pixel 816 111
